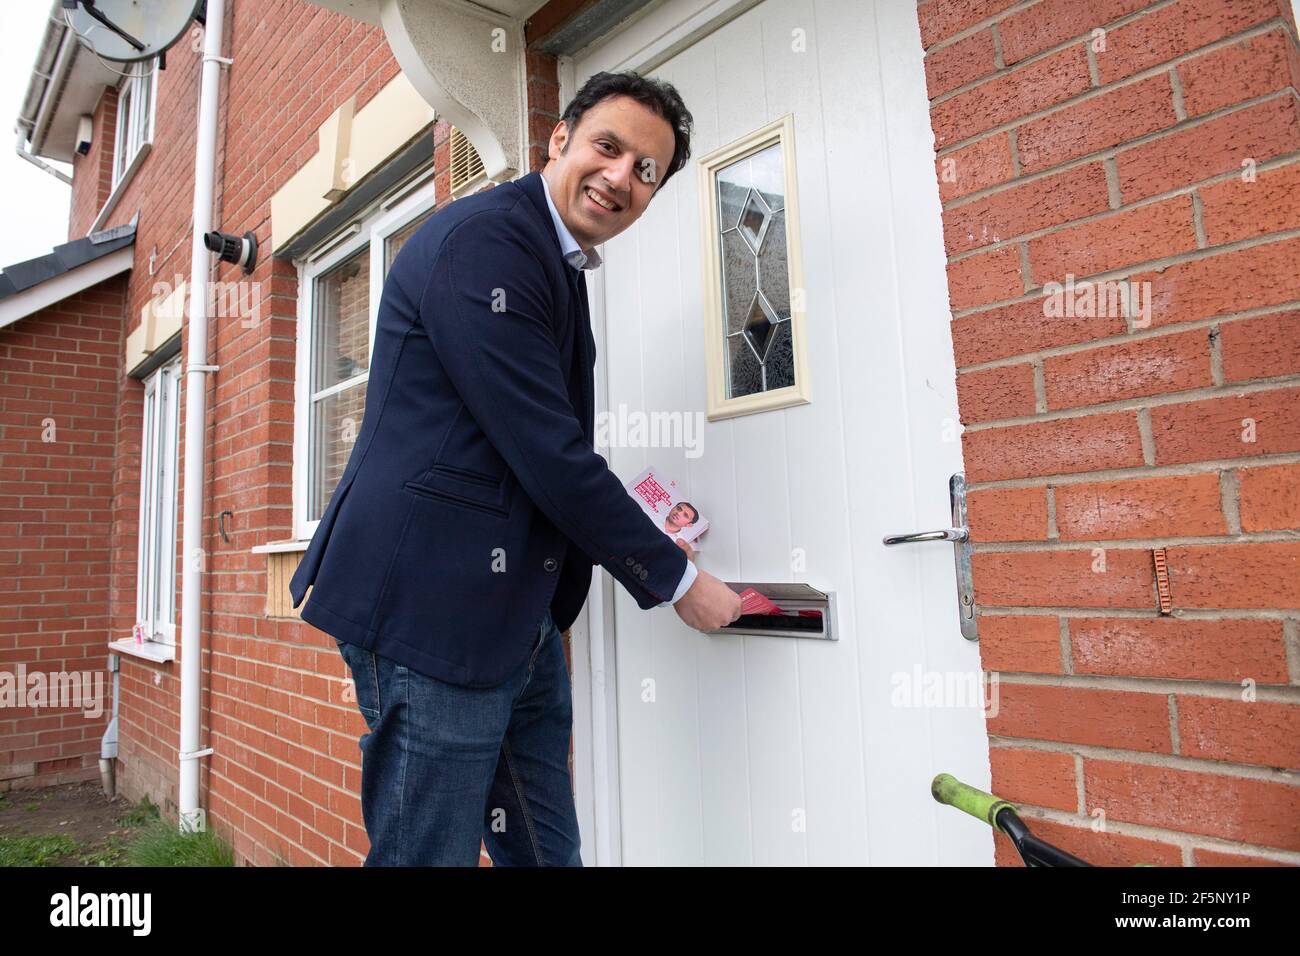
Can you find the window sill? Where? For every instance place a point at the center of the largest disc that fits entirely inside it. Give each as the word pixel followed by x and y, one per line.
pixel 280 547
pixel 154 651
pixel 127 175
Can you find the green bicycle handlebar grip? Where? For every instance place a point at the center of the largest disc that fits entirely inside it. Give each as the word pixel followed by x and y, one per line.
pixel 982 806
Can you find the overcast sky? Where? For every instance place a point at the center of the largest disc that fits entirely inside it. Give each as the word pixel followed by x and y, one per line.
pixel 33 204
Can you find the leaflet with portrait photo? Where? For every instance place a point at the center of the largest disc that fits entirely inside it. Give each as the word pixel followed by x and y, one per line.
pixel 663 502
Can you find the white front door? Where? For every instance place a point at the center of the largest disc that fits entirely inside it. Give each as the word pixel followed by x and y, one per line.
pixel 760 750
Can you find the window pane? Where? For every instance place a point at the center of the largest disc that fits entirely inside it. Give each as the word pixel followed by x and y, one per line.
pixel 122 135
pixel 144 99
pixel 398 239
pixel 158 502
pixel 341 330
pixel 755 273
pixel 166 605
pixel 335 423
pixel 144 576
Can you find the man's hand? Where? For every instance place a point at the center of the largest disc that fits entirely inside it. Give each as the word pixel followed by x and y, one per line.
pixel 708 603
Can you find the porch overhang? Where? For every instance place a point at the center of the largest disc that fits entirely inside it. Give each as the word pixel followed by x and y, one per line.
pixel 468 60
pixel 66 83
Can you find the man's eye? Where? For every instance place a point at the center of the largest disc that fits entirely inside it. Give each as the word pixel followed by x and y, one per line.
pixel 604 145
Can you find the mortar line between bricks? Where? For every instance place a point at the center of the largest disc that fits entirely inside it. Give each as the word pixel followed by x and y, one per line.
pixel 1110 152
pixel 1114 197
pixel 1020 8
pixel 1174 741
pixel 1216 689
pixel 1234 390
pixel 1067 651
pixel 1023 239
pixel 1155 69
pixel 1198 220
pixel 1177 838
pixel 1147 437
pixel 1215 342
pixel 1082 804
pixel 1291 643
pixel 1229 500
pixel 1176 87
pixel 1194 255
pixel 1136 544
pixel 1143 614
pixel 1206 765
pixel 979 25
pixel 1138 336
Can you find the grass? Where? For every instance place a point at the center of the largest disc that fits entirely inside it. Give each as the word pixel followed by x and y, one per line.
pixel 156 842
pixel 161 844
pixel 42 850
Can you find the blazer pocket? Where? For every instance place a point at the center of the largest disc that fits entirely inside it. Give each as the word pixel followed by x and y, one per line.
pixel 464 474
pixel 456 497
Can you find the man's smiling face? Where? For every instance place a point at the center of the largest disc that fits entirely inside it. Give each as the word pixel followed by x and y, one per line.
pixel 619 150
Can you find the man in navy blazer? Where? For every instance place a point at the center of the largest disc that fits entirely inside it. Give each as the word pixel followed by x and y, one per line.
pixel 473 508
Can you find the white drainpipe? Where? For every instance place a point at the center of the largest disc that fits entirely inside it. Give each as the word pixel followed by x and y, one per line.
pixel 196 382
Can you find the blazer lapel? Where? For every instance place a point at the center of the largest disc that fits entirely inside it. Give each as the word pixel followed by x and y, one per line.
pixel 584 344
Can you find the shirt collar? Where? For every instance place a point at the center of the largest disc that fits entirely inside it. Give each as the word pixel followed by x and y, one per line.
pixel 573 253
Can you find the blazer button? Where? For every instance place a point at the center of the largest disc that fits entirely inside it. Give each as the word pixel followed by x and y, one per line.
pixel 644 575
pixel 550 564
pixel 631 561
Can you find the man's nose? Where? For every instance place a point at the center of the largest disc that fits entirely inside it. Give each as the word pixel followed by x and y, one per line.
pixel 618 176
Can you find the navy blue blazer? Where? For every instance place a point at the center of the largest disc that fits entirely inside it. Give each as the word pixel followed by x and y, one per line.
pixel 473 499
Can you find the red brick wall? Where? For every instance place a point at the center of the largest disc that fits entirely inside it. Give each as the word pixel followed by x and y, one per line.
pixel 58 401
pixel 1158 143
pixel 92 174
pixel 283 781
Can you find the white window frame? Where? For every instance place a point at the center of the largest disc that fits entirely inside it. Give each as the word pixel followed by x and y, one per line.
pixel 159 467
pixel 372 230
pixel 135 126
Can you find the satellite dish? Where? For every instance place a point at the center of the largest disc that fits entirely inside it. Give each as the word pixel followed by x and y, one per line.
pixel 130 30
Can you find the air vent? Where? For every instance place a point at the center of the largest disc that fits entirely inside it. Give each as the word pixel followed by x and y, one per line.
pixel 465 162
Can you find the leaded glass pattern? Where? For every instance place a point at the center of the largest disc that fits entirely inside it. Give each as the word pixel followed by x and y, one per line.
pixel 755 273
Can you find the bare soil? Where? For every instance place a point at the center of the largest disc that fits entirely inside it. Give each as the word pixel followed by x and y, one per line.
pixel 77 810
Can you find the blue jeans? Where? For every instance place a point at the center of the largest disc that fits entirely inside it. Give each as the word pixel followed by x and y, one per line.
pixel 445 766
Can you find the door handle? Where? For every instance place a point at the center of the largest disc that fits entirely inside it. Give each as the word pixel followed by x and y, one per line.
pixel 945 534
pixel 959 535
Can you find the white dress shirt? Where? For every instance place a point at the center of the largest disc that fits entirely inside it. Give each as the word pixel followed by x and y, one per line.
pixel 579 259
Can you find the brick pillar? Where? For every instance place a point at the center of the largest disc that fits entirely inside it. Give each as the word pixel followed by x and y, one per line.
pixel 1152 149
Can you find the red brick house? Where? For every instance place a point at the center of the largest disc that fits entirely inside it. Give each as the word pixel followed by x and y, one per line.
pixel 1047 245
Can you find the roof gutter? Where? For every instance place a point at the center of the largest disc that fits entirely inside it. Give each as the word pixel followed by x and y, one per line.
pixel 20 148
pixel 49 74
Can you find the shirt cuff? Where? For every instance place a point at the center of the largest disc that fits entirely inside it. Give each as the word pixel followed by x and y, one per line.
pixel 688 578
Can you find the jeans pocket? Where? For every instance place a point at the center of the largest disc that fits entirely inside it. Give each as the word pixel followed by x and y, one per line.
pixel 365 679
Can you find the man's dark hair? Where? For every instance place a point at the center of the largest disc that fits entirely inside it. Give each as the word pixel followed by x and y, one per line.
pixel 656 95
